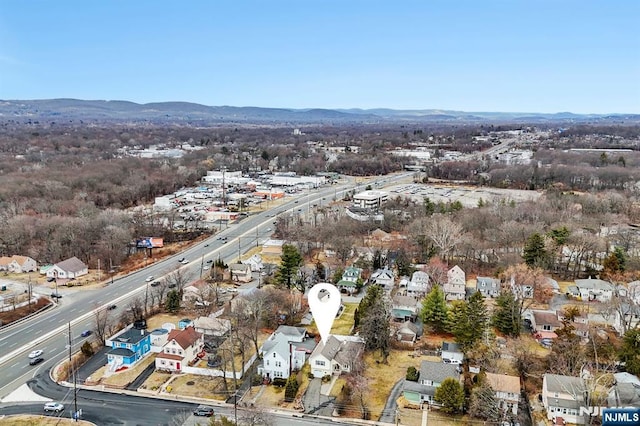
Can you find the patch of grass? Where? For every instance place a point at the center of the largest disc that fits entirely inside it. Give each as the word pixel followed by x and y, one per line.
pixel 337 387
pixel 202 387
pixel 127 376
pixel 30 420
pixel 344 324
pixel 382 377
pixel 156 321
pixel 156 380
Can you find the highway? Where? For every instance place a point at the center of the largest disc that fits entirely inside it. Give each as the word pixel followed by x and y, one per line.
pixel 48 331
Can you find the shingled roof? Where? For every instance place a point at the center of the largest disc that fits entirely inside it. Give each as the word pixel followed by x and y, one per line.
pixel 185 338
pixel 72 265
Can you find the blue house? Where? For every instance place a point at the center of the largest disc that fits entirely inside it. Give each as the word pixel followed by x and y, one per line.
pixel 128 347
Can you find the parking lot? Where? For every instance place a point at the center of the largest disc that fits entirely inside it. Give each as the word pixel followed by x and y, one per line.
pixel 469 196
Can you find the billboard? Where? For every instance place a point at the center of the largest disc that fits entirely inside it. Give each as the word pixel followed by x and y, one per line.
pixel 149 242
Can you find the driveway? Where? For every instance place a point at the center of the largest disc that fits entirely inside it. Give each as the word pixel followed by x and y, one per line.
pixel 316 403
pixel 389 412
pixel 98 360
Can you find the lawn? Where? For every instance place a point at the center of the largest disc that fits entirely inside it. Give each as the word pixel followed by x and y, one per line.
pixel 382 377
pixel 156 321
pixel 344 324
pixel 127 376
pixel 156 380
pixel 201 387
pixel 27 420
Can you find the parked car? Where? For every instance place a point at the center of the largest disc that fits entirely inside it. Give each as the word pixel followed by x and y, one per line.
pixel 210 261
pixel 36 361
pixel 451 361
pixel 155 284
pixel 112 307
pixel 86 333
pixel 56 295
pixel 36 353
pixel 51 279
pixel 204 411
pixel 53 406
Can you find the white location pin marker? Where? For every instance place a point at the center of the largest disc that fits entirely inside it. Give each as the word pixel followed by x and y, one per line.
pixel 324 307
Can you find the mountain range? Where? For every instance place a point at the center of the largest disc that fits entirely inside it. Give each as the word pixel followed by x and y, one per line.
pixel 197 114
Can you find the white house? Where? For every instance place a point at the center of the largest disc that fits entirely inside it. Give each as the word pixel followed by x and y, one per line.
pixel 384 277
pixel 419 285
pixel 255 262
pixel 451 351
pixel 240 272
pixel 182 347
pixel 18 264
pixel 626 317
pixel 212 326
pixel 456 285
pixel 338 356
pixel 595 289
pixel 284 351
pixel 507 389
pixel 562 396
pixel 68 269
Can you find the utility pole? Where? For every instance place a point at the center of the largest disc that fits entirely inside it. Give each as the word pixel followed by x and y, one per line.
pixel 201 265
pixel 75 388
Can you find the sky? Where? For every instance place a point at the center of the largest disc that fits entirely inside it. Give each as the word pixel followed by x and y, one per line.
pixel 478 55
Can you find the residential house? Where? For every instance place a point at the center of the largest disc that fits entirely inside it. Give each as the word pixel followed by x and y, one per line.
pixel 182 347
pixel 625 317
pixel 407 332
pixel 507 389
pixel 127 347
pixel 240 272
pixel 384 277
pixel 625 391
pixel 488 287
pixel 419 285
pixel 633 291
pixel 349 281
pixel 521 291
pixel 595 289
pixel 212 326
pixel 562 396
pixel 68 269
pixel 285 351
pixel 432 374
pixel 451 351
pixel 405 308
pixel 545 323
pixel 456 286
pixel 255 262
pixel 18 264
pixel 339 355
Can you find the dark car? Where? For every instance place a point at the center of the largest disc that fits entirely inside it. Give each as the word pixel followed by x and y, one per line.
pixel 111 307
pixel 51 279
pixel 203 411
pixel 36 361
pixel 86 333
pixel 140 324
pixel 155 284
pixel 56 295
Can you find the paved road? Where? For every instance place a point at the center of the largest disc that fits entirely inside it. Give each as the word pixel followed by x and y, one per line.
pixel 389 413
pixel 48 331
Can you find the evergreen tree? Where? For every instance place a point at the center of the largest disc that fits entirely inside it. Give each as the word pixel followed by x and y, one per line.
pixel 506 315
pixel 375 328
pixel 290 262
pixel 534 251
pixel 630 351
pixel 412 374
pixel 172 304
pixel 291 388
pixel 451 395
pixel 468 321
pixel 373 294
pixel 434 309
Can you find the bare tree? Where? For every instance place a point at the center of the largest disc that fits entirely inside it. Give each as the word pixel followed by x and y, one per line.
pixel 178 279
pixel 444 233
pixel 102 323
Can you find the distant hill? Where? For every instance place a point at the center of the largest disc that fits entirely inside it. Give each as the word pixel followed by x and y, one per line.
pixel 186 112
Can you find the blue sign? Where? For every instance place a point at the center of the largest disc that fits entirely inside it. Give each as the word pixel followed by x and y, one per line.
pixel 621 417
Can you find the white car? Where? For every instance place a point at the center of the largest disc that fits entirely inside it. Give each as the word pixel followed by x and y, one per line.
pixel 149 278
pixel 36 353
pixel 53 406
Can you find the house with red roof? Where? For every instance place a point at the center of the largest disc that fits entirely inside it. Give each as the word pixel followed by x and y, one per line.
pixel 182 347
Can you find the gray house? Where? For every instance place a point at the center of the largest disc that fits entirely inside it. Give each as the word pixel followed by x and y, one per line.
pixel 432 374
pixel 488 287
